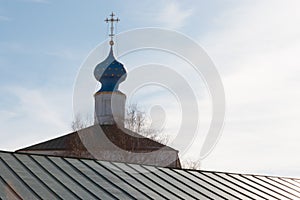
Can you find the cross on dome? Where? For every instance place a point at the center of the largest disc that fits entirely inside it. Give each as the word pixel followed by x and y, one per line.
pixel 111 21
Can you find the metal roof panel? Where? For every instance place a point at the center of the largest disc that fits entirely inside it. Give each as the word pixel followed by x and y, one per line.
pixel 27 176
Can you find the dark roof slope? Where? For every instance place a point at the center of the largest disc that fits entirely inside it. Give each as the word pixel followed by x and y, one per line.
pixel 29 176
pixel 123 138
pixel 108 142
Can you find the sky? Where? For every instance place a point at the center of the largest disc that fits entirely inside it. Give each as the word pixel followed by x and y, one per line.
pixel 254 45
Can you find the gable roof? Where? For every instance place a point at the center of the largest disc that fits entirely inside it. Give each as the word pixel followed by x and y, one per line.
pixel 30 176
pixel 121 137
pixel 108 142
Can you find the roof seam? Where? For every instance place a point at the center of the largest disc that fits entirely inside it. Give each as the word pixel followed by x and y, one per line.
pixel 252 187
pixel 211 178
pixel 73 179
pixel 289 182
pixel 36 177
pixel 170 183
pixel 283 184
pixel 19 178
pixel 155 182
pixel 275 187
pixel 91 180
pixel 107 180
pixel 124 180
pixel 236 185
pixel 139 181
pixel 10 188
pixel 51 175
pixel 190 186
pixel 204 186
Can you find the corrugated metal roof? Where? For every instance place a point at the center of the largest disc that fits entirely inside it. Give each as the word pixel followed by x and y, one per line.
pixel 28 176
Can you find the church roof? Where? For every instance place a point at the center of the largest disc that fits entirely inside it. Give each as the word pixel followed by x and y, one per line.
pixel 108 142
pixel 29 176
pixel 121 137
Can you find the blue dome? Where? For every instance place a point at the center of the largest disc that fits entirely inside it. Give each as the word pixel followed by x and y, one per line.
pixel 110 73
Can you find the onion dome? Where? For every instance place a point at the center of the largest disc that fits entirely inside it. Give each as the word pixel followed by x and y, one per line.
pixel 110 73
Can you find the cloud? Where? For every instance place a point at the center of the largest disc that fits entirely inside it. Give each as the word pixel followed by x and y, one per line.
pixel 68 54
pixel 173 16
pixel 38 1
pixel 256 50
pixel 33 116
pixel 4 18
pixel 35 105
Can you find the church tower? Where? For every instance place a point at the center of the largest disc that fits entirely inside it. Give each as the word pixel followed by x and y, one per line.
pixel 108 139
pixel 109 101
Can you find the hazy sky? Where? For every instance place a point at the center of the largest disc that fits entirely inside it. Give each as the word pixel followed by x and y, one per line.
pixel 254 44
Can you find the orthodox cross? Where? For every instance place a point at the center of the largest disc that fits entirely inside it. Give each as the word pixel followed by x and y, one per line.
pixel 111 20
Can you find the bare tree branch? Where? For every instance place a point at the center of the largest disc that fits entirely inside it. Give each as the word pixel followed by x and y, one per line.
pixel 136 120
pixel 191 164
pixel 80 122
